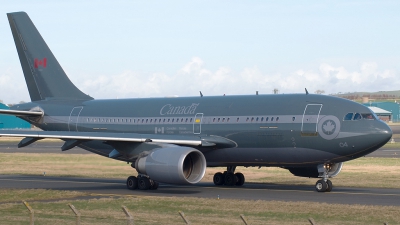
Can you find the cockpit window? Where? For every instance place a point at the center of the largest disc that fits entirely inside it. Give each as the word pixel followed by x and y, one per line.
pixel 357 116
pixel 348 116
pixel 368 116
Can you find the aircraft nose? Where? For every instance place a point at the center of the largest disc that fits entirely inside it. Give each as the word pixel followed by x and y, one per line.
pixel 384 132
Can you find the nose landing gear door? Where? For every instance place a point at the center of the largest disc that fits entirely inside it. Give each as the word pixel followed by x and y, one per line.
pixel 198 119
pixel 309 124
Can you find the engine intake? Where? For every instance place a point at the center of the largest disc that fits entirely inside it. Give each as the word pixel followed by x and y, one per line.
pixel 173 165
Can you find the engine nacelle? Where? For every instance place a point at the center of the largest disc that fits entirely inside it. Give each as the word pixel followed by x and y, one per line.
pixel 173 165
pixel 317 171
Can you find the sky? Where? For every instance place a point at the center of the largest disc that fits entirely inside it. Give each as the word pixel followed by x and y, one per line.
pixel 139 49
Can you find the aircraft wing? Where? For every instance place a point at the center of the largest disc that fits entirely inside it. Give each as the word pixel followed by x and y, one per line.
pixel 75 138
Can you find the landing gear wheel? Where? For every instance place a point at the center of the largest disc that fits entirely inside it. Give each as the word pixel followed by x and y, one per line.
pixel 144 183
pixel 240 179
pixel 219 179
pixel 154 185
pixel 230 179
pixel 329 186
pixel 132 183
pixel 321 186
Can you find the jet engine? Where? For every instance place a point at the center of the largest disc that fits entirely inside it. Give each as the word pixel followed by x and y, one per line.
pixel 173 165
pixel 317 171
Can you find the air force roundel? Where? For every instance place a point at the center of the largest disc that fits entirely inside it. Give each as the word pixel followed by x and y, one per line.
pixel 329 127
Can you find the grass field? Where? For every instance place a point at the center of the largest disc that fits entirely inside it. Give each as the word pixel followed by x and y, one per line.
pixel 51 207
pixel 164 210
pixel 362 172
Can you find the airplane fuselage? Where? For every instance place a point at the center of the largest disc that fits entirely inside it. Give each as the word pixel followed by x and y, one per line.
pixel 265 130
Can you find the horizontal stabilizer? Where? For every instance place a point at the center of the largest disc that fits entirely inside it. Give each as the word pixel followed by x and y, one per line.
pixel 20 112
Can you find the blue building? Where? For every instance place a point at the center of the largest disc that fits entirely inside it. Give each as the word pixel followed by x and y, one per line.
pixel 392 107
pixel 12 122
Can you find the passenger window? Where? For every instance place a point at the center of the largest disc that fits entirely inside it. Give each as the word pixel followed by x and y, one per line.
pixel 257 119
pixel 262 119
pixel 357 116
pixel 368 116
pixel 191 119
pixel 219 119
pixel 213 120
pixel 186 120
pixel 172 120
pixel 223 119
pixel 227 120
pixel 272 118
pixel 348 116
pixel 277 118
pixel 266 119
pixel 237 120
pixel 252 118
pixel 247 120
pixel 293 118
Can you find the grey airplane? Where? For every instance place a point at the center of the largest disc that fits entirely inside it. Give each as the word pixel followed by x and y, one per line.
pixel 173 140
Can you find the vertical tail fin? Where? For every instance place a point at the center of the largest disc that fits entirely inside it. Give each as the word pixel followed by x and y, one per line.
pixel 43 74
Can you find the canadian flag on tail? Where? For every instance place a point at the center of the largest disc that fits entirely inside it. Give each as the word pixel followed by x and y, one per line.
pixel 39 62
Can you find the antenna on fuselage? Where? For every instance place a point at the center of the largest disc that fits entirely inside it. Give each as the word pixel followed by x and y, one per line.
pixel 201 94
pixel 306 91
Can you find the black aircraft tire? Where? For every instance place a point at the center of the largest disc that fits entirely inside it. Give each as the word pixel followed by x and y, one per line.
pixel 219 179
pixel 132 183
pixel 144 183
pixel 154 185
pixel 321 186
pixel 329 186
pixel 240 179
pixel 230 179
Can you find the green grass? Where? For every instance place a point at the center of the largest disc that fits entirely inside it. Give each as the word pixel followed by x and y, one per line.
pixel 362 172
pixel 164 210
pixel 15 195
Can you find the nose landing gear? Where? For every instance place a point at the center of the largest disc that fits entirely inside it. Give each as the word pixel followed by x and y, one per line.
pixel 324 185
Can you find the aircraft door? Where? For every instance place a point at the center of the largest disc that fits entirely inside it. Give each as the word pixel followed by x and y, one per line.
pixel 74 118
pixel 198 119
pixel 310 120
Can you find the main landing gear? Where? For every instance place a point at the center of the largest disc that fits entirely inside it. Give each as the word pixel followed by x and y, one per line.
pixel 142 182
pixel 324 185
pixel 229 177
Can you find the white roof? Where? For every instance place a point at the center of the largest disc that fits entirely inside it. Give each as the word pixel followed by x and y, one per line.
pixel 377 110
